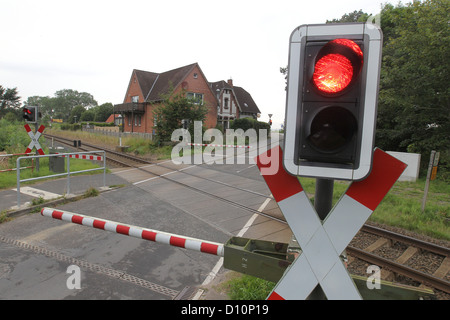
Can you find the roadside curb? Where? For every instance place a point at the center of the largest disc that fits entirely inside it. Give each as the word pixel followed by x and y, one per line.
pixel 14 213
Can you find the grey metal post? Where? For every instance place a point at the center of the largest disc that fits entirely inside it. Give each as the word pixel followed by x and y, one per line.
pixel 427 182
pixel 18 181
pixel 68 175
pixel 324 197
pixel 36 127
pixel 104 169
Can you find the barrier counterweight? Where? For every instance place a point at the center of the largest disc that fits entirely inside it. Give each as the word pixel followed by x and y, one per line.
pixel 137 232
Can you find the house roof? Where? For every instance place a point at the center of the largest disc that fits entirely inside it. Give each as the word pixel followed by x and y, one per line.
pixel 245 101
pixel 166 81
pixel 220 85
pixel 146 80
pixel 110 119
pixel 155 85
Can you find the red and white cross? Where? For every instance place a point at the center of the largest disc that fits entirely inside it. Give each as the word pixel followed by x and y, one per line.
pixel 34 139
pixel 322 242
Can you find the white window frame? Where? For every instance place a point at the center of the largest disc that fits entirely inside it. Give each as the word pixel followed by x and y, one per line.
pixel 197 98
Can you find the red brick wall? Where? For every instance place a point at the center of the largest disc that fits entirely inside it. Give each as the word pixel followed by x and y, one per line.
pixel 133 90
pixel 200 85
pixel 147 118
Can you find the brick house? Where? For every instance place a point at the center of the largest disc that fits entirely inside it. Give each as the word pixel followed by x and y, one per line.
pixel 145 91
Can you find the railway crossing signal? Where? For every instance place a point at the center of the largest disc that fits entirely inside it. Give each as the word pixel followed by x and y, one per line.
pixel 331 100
pixel 30 114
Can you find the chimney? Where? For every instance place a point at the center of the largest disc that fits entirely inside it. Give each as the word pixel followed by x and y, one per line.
pixel 230 82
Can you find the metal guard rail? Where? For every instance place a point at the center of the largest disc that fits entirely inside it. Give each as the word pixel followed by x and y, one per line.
pixel 67 173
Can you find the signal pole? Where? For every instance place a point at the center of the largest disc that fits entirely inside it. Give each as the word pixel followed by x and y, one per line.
pixel 36 127
pixel 323 197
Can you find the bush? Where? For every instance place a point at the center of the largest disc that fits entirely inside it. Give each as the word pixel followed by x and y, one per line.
pixel 12 134
pixel 98 124
pixel 249 123
pixel 71 127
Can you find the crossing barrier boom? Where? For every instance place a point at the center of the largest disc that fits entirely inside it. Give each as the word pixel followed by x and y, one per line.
pixel 136 232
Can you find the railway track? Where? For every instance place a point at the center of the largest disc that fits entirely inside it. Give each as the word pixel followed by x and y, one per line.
pixel 408 264
pixel 403 258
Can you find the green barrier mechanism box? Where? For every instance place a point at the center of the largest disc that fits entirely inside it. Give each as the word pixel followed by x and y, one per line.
pixel 269 261
pixel 263 259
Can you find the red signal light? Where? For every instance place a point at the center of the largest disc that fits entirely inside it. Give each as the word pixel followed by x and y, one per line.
pixel 338 63
pixel 333 73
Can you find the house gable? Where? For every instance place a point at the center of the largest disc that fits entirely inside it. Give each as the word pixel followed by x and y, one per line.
pixel 139 84
pixel 195 82
pixel 245 105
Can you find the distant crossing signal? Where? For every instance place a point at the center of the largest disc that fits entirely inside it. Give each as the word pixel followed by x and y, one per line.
pixel 30 114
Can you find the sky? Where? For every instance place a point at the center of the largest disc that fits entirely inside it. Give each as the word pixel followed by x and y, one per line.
pixel 94 45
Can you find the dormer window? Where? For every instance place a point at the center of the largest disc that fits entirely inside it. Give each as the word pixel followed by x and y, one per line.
pixel 195 75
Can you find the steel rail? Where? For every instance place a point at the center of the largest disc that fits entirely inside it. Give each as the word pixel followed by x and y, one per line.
pixel 417 275
pixel 428 246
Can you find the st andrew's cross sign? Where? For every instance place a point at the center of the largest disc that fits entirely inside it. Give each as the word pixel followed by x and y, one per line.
pixel 322 242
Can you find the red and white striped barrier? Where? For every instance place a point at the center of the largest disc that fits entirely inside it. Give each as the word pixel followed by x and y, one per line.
pixel 217 145
pixel 17 154
pixel 136 232
pixel 322 243
pixel 14 169
pixel 82 156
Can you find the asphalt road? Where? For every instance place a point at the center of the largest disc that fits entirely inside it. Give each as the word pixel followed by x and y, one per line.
pixel 42 258
pixel 36 252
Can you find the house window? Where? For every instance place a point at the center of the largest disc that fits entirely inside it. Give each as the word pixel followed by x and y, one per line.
pixel 137 120
pixel 197 98
pixel 135 99
pixel 195 76
pixel 225 103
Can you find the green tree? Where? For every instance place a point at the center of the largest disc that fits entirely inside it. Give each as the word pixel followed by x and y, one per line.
pixel 62 104
pixel 355 16
pixel 413 111
pixel 172 110
pixel 88 115
pixel 102 112
pixel 67 99
pixel 75 115
pixel 9 100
